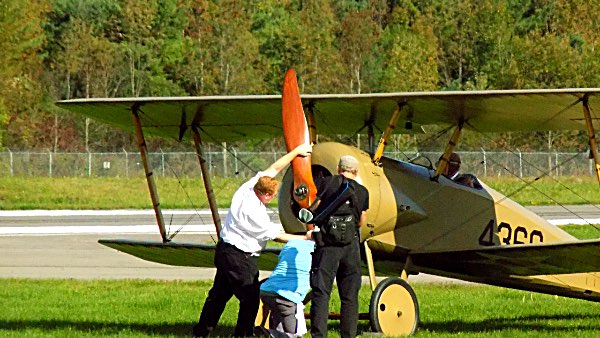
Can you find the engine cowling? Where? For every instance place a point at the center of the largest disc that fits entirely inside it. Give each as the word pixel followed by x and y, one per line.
pixel 325 159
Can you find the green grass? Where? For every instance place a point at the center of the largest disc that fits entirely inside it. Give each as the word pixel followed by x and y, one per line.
pixel 548 190
pixel 122 308
pixel 74 308
pixel 23 193
pixel 582 231
pixel 485 311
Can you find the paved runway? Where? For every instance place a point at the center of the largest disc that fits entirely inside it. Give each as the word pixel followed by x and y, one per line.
pixel 63 244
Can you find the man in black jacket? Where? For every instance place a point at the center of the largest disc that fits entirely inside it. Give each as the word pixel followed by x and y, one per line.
pixel 338 256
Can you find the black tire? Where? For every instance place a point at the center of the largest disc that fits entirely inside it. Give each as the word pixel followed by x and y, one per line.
pixel 394 310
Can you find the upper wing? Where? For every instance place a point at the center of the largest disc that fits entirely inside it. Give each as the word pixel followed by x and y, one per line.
pixel 183 254
pixel 229 118
pixel 520 260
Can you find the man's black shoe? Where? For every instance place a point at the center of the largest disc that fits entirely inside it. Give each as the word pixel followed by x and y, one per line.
pixel 260 331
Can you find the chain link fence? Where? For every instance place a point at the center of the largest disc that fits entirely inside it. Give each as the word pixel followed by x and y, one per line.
pixel 231 163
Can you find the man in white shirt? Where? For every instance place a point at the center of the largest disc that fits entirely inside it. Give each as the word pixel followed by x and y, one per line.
pixel 244 234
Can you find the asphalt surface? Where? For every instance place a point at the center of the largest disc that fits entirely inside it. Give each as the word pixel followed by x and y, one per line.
pixel 64 244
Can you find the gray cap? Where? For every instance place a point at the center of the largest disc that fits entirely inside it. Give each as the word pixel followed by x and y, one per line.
pixel 348 162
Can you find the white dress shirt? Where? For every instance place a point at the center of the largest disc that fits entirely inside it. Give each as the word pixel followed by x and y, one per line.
pixel 247 225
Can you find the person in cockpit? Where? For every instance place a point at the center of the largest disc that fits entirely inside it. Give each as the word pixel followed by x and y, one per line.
pixel 452 172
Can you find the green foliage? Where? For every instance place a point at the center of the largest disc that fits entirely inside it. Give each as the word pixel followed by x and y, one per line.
pixel 21 42
pixel 276 27
pixel 411 60
pixel 117 48
pixel 3 120
pixel 359 38
pixel 319 59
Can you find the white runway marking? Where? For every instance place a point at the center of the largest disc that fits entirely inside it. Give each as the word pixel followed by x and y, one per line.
pixel 143 228
pixel 117 229
pixel 61 213
pixel 575 221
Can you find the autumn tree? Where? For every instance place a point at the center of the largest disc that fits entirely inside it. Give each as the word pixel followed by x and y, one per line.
pixel 21 40
pixel 221 56
pixel 409 50
pixel 276 26
pixel 359 34
pixel 319 60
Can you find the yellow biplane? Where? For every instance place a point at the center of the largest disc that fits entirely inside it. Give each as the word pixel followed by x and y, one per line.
pixel 419 220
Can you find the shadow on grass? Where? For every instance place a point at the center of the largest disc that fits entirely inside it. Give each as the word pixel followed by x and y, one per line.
pixel 105 328
pixel 539 323
pixel 534 324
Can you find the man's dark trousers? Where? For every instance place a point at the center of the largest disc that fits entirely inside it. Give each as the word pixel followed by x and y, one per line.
pixel 237 274
pixel 343 264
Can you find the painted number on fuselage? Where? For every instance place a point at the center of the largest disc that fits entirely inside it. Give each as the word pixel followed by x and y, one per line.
pixel 508 235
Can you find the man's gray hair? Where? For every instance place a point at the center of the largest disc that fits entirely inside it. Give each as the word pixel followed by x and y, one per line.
pixel 349 163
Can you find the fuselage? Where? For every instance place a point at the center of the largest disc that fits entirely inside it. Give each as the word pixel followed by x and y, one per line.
pixel 411 213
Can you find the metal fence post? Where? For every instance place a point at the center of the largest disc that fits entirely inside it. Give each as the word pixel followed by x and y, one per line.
pixel 10 156
pixel 224 151
pixel 235 161
pixel 556 162
pixel 484 162
pixel 210 165
pixel 162 161
pixel 49 163
pixel 126 163
pixel 520 163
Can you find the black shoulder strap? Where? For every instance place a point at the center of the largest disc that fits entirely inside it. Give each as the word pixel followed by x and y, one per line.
pixel 343 194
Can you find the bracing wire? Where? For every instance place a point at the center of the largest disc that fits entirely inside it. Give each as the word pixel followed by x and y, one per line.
pixel 429 140
pixel 237 157
pixel 180 185
pixel 189 199
pixel 196 210
pixel 546 173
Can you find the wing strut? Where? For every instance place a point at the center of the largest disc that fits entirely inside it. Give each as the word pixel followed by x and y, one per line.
pixel 387 133
pixel 370 265
pixel 210 194
pixel 371 136
pixel 139 134
pixel 591 135
pixel 312 123
pixel 448 151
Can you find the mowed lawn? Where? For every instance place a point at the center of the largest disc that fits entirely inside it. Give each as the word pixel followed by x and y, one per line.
pixel 73 308
pixel 25 193
pixel 142 308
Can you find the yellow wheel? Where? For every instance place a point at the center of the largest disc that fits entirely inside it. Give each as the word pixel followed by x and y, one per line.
pixel 394 310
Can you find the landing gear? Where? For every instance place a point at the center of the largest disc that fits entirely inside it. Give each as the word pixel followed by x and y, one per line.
pixel 262 317
pixel 394 310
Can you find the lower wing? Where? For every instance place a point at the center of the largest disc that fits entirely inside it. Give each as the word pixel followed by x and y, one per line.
pixel 517 260
pixel 182 254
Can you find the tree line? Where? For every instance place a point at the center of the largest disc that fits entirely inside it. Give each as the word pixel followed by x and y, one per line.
pixel 64 49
